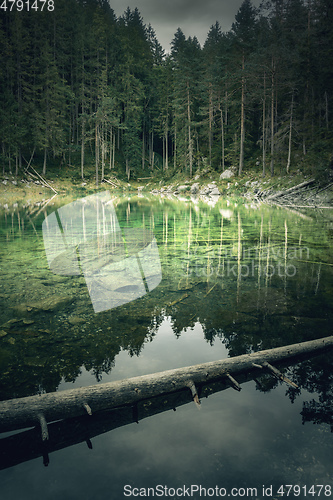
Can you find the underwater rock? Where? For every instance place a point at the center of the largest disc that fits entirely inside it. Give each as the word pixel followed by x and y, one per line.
pixel 75 320
pixel 49 304
pixel 10 323
pixel 53 303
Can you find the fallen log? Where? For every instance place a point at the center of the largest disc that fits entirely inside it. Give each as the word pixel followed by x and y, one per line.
pixel 28 444
pixel 290 190
pixel 41 409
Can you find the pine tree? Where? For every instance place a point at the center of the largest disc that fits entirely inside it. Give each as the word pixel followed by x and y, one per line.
pixel 244 29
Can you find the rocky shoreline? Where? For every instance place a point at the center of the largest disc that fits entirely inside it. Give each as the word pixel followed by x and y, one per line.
pixel 310 193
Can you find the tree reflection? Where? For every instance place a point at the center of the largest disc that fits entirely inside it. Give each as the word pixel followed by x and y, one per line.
pixel 224 267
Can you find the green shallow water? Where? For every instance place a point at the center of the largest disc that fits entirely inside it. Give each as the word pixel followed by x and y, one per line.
pixel 219 280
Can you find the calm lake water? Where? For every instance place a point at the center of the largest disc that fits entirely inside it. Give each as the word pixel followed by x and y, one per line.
pixel 105 288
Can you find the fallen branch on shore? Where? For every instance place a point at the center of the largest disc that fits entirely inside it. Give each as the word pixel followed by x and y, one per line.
pixel 291 190
pixel 303 195
pixel 110 182
pixel 39 410
pixel 42 180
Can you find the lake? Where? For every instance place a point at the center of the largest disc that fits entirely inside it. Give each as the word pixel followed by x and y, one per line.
pixel 101 288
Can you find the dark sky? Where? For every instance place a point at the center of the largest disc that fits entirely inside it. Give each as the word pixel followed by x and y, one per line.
pixel 194 17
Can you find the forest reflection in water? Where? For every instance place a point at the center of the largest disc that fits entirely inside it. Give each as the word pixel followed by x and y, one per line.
pixel 234 279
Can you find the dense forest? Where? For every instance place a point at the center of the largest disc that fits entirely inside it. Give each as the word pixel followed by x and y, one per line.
pixel 81 87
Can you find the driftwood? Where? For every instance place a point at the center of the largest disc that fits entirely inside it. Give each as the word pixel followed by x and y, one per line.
pixel 291 190
pixel 110 182
pixel 42 180
pixel 28 444
pixel 41 409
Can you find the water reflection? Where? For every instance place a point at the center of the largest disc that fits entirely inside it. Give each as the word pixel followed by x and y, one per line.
pixel 252 278
pixel 85 236
pixel 27 445
pixel 218 297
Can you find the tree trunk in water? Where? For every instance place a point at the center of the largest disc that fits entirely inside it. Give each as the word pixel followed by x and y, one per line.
pixel 40 409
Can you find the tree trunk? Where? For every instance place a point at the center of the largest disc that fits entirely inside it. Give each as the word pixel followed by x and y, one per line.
pixel 272 122
pixel 290 133
pixel 96 152
pixel 143 149
pixel 166 163
pixel 210 118
pixel 242 136
pixel 82 149
pixel 29 411
pixel 264 130
pixel 190 146
pixel 44 162
pixel 175 146
pixel 222 139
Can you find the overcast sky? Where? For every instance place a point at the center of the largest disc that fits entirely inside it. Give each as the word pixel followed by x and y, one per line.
pixel 194 17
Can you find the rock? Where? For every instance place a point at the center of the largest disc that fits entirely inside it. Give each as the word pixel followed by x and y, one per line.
pixel 182 188
pixel 227 174
pixel 28 321
pixel 75 320
pixel 204 191
pixel 195 188
pixel 49 304
pixel 11 322
pixel 215 192
pixel 53 303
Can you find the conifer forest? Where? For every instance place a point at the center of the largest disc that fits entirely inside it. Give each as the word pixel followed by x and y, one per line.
pixel 81 86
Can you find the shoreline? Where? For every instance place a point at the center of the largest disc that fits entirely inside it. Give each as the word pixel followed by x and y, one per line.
pixel 295 190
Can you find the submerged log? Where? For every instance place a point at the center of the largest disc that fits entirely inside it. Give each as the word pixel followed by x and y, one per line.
pixel 26 412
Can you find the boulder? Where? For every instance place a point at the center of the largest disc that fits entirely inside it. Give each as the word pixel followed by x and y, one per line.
pixel 227 174
pixel 215 192
pixel 195 188
pixel 182 188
